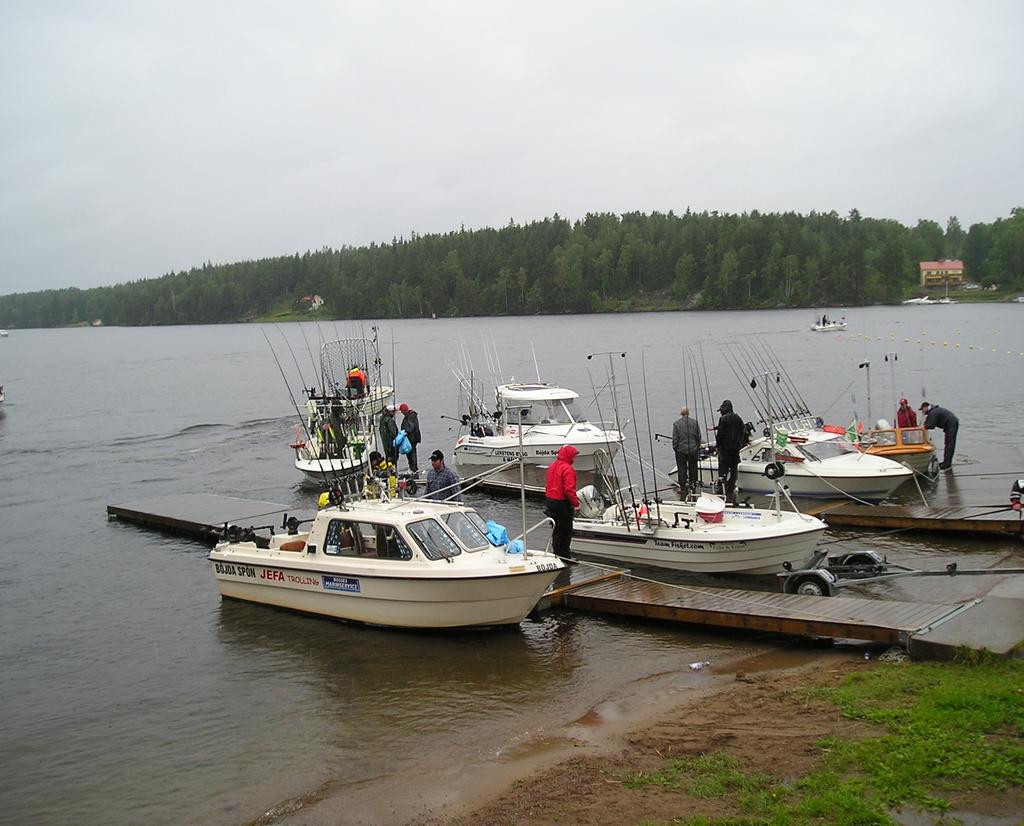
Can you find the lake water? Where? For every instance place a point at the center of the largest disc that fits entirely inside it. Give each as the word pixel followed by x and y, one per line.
pixel 132 694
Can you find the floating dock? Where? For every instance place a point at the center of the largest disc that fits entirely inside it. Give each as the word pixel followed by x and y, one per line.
pixel 996 520
pixel 995 624
pixel 202 516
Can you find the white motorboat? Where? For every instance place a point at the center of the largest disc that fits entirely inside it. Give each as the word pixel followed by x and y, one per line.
pixel 540 417
pixel 702 536
pixel 340 430
pixel 922 300
pixel 408 564
pixel 4 334
pixel 828 326
pixel 815 463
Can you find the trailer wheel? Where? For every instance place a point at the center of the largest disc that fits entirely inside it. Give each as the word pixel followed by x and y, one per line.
pixel 812 586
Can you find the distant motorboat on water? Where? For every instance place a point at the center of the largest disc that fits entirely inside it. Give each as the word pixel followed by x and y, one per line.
pixel 826 325
pixel 4 334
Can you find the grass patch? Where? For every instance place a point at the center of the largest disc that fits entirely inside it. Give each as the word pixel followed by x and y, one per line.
pixel 944 728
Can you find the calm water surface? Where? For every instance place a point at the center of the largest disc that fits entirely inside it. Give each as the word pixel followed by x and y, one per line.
pixel 130 693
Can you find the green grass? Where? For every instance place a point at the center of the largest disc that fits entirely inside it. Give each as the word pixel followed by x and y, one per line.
pixel 943 728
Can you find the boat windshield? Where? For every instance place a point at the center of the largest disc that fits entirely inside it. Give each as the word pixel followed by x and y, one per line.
pixel 466 529
pixel 434 541
pixel 913 436
pixel 884 437
pixel 553 411
pixel 819 451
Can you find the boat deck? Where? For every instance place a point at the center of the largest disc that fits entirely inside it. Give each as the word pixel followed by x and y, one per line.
pixel 977 519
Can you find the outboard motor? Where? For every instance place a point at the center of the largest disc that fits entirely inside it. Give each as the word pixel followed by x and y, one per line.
pixel 591 504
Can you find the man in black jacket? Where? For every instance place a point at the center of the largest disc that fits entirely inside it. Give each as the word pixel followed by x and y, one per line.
pixel 729 438
pixel 411 426
pixel 948 423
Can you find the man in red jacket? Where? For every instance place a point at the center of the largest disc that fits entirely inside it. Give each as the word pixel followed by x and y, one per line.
pixel 561 499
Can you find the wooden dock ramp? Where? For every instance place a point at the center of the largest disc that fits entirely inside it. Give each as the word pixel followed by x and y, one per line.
pixel 874 620
pixel 997 520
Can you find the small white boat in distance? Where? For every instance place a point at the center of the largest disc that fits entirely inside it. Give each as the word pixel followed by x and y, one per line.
pixel 922 300
pixel 4 334
pixel 702 536
pixel 815 463
pixel 828 327
pixel 408 564
pixel 549 418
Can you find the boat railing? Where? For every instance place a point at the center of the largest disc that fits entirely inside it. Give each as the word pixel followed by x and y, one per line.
pixel 547 521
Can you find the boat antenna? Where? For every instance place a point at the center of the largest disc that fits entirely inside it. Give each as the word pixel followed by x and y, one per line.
pixel 312 360
pixel 866 366
pixel 535 365
pixel 892 358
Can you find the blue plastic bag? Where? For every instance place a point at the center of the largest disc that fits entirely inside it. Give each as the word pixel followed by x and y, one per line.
pixel 401 441
pixel 496 534
pixel 515 547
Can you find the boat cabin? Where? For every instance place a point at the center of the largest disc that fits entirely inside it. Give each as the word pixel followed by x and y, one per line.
pixel 538 404
pixel 354 533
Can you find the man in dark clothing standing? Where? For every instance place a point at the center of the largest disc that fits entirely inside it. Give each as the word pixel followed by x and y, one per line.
pixel 388 431
pixel 686 444
pixel 948 423
pixel 729 437
pixel 411 426
pixel 561 500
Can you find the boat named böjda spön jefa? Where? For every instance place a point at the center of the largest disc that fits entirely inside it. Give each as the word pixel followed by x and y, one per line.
pixel 404 563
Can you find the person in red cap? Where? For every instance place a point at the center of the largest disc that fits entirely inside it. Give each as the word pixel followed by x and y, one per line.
pixel 411 426
pixel 905 416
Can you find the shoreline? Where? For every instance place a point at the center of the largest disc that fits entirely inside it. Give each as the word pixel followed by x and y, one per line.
pixel 463 795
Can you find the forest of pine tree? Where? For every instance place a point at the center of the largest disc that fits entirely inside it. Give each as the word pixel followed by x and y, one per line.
pixel 604 262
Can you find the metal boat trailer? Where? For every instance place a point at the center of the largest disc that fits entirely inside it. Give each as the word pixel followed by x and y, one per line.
pixel 824 575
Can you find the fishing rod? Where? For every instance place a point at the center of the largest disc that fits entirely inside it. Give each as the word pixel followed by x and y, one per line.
pixel 615 406
pixel 711 415
pixel 632 408
pixel 650 438
pixel 797 402
pixel 302 420
pixel 308 350
pixel 601 474
pixel 704 400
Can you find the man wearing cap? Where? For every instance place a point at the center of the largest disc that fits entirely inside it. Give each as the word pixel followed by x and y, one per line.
pixel 905 416
pixel 729 438
pixel 442 481
pixel 411 426
pixel 948 423
pixel 388 432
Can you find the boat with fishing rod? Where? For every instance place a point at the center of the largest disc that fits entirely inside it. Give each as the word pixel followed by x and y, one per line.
pixel 787 440
pixel 531 419
pixel 701 534
pixel 400 563
pixel 910 446
pixel 338 430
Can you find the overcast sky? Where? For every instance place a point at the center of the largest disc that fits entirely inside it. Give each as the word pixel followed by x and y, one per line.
pixel 140 138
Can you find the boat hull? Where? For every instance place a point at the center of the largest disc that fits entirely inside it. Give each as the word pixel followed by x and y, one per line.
pixel 810 483
pixel 404 602
pixel 488 451
pixel 711 550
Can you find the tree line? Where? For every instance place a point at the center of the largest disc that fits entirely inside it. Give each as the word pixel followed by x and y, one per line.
pixel 603 262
